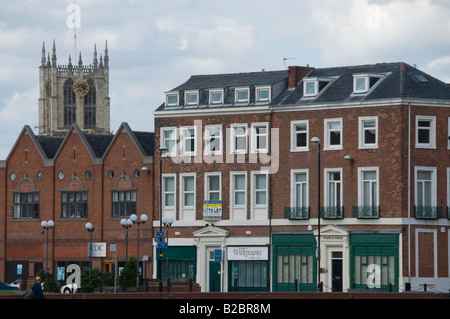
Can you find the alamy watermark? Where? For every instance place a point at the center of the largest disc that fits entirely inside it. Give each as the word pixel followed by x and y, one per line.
pixel 73 21
pixel 241 144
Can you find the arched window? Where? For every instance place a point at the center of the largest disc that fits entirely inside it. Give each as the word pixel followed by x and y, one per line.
pixel 70 104
pixel 26 200
pixel 90 102
pixel 74 200
pixel 123 198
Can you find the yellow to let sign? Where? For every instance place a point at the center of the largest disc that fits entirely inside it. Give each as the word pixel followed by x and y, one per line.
pixel 212 210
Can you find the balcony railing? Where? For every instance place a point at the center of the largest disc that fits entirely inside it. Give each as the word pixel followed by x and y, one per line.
pixel 366 212
pixel 428 212
pixel 332 212
pixel 296 213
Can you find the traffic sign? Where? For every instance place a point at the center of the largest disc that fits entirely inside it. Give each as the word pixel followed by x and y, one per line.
pixel 161 245
pixel 160 234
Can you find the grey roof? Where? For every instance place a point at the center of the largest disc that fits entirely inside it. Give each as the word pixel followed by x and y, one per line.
pixel 228 82
pixel 147 141
pixel 398 81
pixel 99 142
pixel 50 144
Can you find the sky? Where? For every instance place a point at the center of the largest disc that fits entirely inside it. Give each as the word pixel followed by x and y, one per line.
pixel 156 45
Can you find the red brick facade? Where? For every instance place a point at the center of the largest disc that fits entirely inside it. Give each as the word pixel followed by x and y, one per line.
pixel 75 167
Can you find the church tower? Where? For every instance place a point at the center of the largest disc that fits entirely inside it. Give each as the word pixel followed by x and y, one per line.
pixel 71 94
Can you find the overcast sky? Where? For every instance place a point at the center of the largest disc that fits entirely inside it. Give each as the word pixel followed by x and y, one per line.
pixel 155 45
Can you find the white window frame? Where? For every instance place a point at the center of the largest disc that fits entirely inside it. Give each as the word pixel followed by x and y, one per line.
pixel 207 136
pixel 263 88
pixel 433 182
pixel 255 136
pixel 183 140
pixel 432 129
pixel 162 141
pixel 366 78
pixel 294 172
pixel 326 181
pixel 176 94
pixel 254 190
pixel 215 91
pixel 361 181
pixel 164 177
pixel 183 176
pixel 362 142
pixel 236 93
pixel 186 100
pixel 306 83
pixel 327 132
pixel 233 189
pixel 207 189
pixel 233 128
pixel 294 147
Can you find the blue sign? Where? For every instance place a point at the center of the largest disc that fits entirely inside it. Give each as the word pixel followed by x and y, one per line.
pixel 160 234
pixel 161 245
pixel 218 255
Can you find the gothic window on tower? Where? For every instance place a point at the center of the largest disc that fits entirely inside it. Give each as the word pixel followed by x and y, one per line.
pixel 90 101
pixel 70 104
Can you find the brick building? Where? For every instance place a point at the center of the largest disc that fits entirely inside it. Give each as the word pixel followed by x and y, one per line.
pixel 72 180
pixel 379 177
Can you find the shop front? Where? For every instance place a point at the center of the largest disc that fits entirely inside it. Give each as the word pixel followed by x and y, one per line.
pixel 248 268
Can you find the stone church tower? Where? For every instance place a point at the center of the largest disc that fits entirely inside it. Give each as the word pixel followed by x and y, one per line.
pixel 74 94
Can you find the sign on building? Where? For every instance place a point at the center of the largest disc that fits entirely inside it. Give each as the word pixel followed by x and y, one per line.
pixel 98 250
pixel 248 253
pixel 212 210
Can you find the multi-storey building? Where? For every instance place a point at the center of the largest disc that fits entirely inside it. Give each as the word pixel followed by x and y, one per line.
pixel 74 180
pixel 252 158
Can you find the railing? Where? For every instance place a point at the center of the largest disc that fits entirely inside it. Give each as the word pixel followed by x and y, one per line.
pixel 366 212
pixel 332 212
pixel 297 213
pixel 428 212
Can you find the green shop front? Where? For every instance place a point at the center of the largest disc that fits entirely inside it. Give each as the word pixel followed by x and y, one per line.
pixel 350 259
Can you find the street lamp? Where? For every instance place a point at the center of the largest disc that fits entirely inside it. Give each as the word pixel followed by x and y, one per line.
pixel 162 150
pixel 167 221
pixel 47 225
pixel 90 229
pixel 134 219
pixel 126 223
pixel 316 141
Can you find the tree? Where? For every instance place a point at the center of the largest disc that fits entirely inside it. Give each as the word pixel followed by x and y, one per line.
pixel 129 272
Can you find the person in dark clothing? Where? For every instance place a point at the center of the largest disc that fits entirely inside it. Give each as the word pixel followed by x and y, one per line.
pixel 37 289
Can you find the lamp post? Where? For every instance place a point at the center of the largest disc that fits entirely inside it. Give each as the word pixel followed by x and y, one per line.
pixel 90 229
pixel 47 225
pixel 126 223
pixel 316 141
pixel 162 150
pixel 134 219
pixel 167 221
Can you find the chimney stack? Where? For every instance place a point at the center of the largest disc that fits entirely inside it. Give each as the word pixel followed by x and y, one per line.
pixel 296 74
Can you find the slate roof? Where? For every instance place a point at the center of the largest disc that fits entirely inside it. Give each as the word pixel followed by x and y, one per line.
pixel 228 82
pixel 147 140
pixel 99 142
pixel 397 81
pixel 50 144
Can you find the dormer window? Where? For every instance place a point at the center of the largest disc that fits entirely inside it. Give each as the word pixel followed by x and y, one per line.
pixel 362 83
pixel 313 86
pixel 216 97
pixel 242 95
pixel 191 97
pixel 172 99
pixel 263 94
